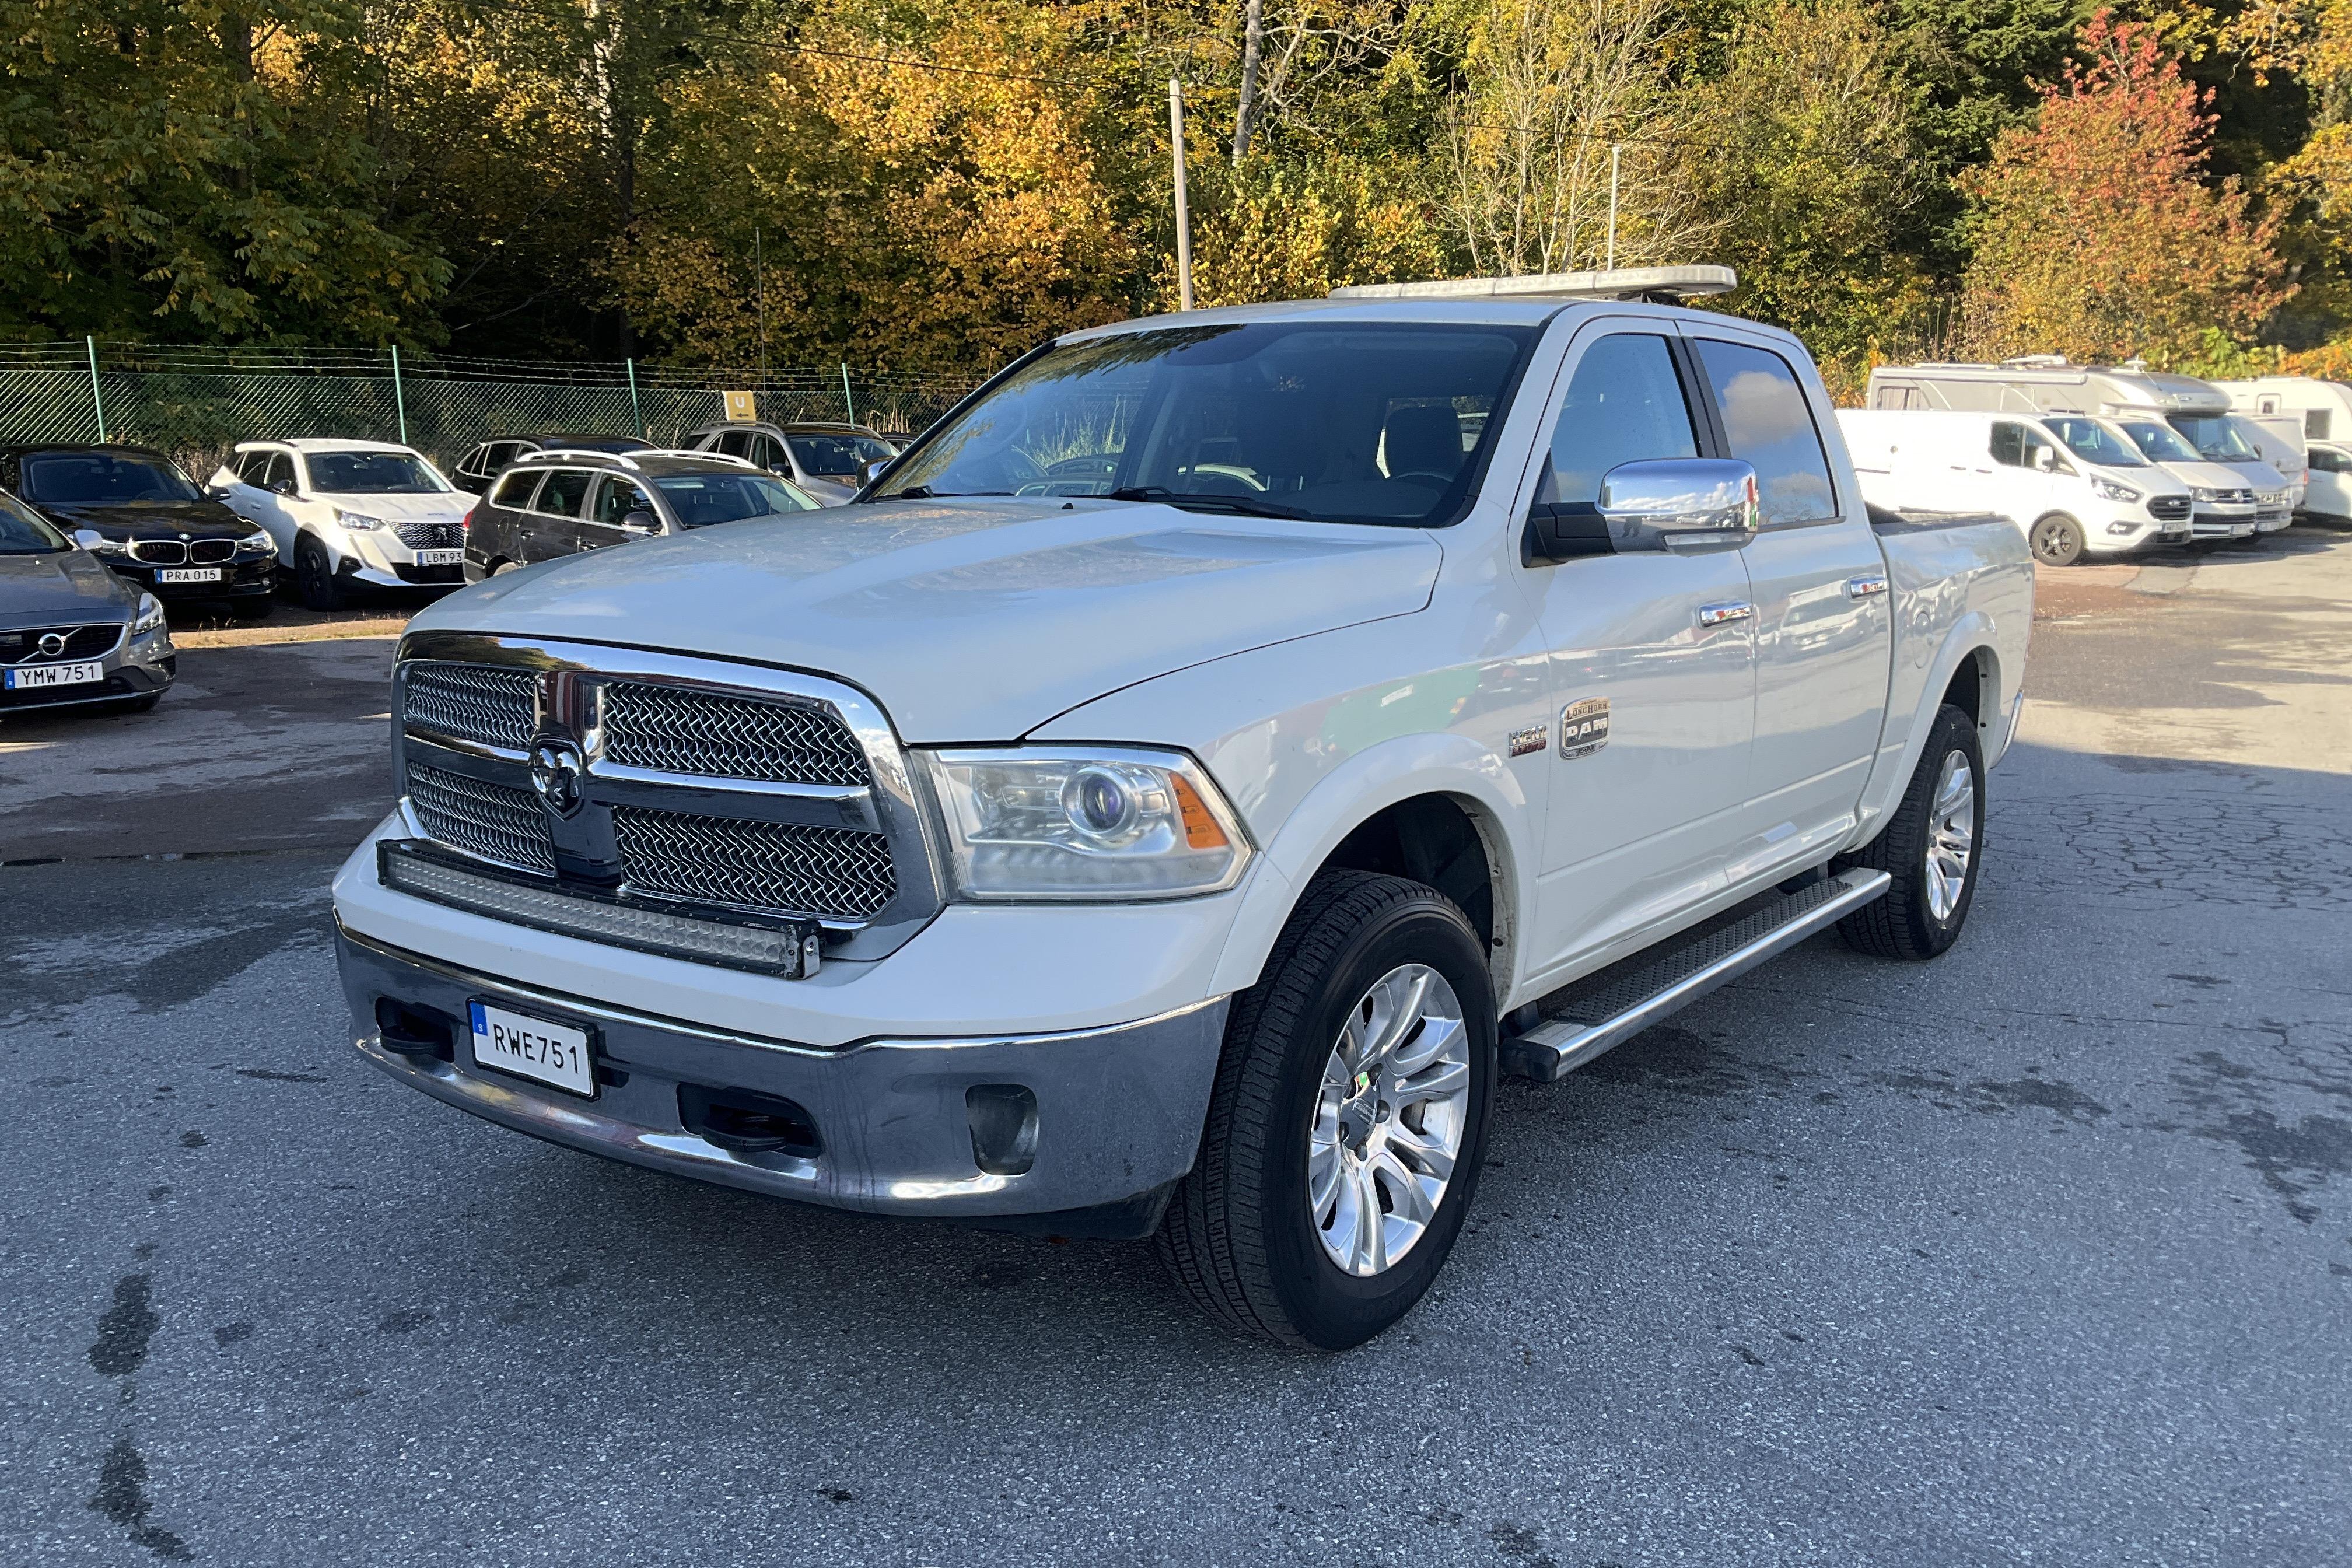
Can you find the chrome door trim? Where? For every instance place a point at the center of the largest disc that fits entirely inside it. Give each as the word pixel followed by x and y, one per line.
pixel 1863 587
pixel 1724 614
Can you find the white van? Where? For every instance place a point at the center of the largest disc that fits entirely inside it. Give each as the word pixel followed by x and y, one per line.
pixel 2230 490
pixel 2072 483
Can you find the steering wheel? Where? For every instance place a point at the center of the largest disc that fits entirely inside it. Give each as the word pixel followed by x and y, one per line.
pixel 1428 476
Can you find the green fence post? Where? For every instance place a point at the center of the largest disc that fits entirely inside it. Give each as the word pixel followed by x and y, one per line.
pixel 399 399
pixel 97 400
pixel 847 402
pixel 636 409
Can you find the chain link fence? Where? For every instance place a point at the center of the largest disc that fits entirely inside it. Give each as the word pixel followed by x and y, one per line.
pixel 196 403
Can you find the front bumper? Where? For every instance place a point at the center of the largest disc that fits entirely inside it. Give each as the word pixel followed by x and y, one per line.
pixel 2222 525
pixel 136 667
pixel 2270 520
pixel 1118 1111
pixel 2125 533
pixel 250 577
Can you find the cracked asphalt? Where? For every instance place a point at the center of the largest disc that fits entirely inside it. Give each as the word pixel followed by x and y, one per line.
pixel 2042 1252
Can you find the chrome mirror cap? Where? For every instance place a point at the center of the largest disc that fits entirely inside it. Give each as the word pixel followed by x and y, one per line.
pixel 1680 503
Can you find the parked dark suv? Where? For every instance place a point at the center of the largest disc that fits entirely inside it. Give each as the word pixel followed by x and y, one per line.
pixel 133 509
pixel 828 461
pixel 557 503
pixel 475 471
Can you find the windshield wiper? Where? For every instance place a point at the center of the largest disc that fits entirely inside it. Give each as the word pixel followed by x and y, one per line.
pixel 1190 498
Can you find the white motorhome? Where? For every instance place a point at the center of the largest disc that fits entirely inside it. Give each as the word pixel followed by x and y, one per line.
pixel 2226 457
pixel 2324 407
pixel 2072 484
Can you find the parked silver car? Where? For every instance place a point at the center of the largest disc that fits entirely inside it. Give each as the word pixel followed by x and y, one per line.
pixel 828 461
pixel 73 635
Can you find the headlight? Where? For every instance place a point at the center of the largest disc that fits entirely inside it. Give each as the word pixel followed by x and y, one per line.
pixel 2107 489
pixel 151 614
pixel 2198 492
pixel 260 543
pixel 1102 823
pixel 358 520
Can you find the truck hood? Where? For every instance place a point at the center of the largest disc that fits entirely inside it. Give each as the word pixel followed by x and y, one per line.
pixel 60 586
pixel 969 619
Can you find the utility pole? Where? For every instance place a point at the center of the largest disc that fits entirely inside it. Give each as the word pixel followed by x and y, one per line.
pixel 1614 149
pixel 1183 211
pixel 759 266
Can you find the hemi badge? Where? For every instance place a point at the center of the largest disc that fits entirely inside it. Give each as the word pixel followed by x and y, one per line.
pixel 1530 740
pixel 1584 727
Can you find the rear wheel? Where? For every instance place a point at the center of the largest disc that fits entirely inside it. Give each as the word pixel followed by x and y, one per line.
pixel 2057 539
pixel 1932 847
pixel 314 577
pixel 1349 1122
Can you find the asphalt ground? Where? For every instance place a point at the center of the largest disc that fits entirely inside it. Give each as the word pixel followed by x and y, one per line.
pixel 2041 1252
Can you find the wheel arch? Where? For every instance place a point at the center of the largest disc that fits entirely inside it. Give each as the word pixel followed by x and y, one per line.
pixel 1436 809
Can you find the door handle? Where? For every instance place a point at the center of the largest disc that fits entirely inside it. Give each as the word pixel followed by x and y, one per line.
pixel 1863 587
pixel 1722 614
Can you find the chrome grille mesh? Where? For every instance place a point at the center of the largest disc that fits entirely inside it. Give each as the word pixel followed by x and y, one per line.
pixel 2167 508
pixel 687 732
pixel 831 872
pixel 492 704
pixel 482 818
pixel 425 535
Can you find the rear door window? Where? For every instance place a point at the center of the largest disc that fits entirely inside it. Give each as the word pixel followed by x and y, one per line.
pixel 1624 404
pixel 1768 425
pixel 514 490
pixel 561 495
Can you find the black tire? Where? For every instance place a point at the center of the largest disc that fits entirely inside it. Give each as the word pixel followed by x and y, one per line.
pixel 314 577
pixel 253 608
pixel 1239 1238
pixel 2056 539
pixel 1905 922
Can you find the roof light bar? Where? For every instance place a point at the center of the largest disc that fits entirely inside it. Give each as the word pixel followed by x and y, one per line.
pixel 1620 283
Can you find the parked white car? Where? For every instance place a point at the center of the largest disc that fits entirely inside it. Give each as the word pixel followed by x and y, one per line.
pixel 1188 854
pixel 344 513
pixel 2330 494
pixel 2071 484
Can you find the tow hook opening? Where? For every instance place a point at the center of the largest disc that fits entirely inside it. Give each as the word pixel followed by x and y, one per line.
pixel 1003 1118
pixel 411 1031
pixel 745 1121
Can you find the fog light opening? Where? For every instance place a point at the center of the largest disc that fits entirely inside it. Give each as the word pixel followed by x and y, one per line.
pixel 411 1031
pixel 1003 1118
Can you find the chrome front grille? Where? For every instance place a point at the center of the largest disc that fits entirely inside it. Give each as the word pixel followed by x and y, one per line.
pixel 704 788
pixel 482 818
pixel 425 535
pixel 490 704
pixel 774 868
pixel 75 643
pixel 2167 508
pixel 683 731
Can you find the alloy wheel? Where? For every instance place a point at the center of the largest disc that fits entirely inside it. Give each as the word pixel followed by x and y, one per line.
pixel 1951 835
pixel 1388 1121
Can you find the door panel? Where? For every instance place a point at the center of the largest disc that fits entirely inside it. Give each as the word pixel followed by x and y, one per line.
pixel 1824 635
pixel 1640 828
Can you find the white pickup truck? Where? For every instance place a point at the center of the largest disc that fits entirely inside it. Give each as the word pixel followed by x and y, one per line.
pixel 1169 795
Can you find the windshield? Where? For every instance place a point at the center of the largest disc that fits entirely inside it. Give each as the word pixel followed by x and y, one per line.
pixel 2216 438
pixel 2159 443
pixel 2095 443
pixel 1373 422
pixel 700 499
pixel 372 474
pixel 839 456
pixel 23 534
pixel 104 479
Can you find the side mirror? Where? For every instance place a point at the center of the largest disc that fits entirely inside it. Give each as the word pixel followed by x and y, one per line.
pixel 281 487
pixel 1680 503
pixel 874 470
pixel 2045 458
pixel 89 538
pixel 640 521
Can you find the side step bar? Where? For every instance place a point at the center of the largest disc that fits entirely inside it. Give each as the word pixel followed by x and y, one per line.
pixel 1584 1020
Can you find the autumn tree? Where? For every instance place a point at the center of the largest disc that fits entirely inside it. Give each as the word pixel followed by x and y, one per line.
pixel 2098 234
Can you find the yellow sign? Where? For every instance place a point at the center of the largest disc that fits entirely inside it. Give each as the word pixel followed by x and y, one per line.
pixel 741 406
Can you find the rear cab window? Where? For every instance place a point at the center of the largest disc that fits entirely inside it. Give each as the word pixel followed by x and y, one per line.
pixel 514 490
pixel 1769 424
pixel 561 494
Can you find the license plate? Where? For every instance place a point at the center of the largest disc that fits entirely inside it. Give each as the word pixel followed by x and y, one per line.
pixel 187 574
pixel 55 675
pixel 440 558
pixel 531 1047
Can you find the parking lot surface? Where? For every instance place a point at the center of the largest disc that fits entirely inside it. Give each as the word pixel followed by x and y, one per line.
pixel 2042 1252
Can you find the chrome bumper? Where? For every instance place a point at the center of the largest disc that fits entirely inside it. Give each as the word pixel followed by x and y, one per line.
pixel 1117 1112
pixel 2208 525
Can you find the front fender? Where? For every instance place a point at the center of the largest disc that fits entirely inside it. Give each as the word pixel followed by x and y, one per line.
pixel 1359 788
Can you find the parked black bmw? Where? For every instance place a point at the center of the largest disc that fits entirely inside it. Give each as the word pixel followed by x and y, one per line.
pixel 73 634
pixel 133 509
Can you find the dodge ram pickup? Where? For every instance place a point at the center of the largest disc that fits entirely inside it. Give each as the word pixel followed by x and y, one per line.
pixel 1175 788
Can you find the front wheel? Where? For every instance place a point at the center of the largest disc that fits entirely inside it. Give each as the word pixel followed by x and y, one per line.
pixel 1932 847
pixel 314 577
pixel 1349 1122
pixel 2057 539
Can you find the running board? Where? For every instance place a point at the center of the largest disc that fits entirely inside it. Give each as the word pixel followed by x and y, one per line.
pixel 1583 1021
